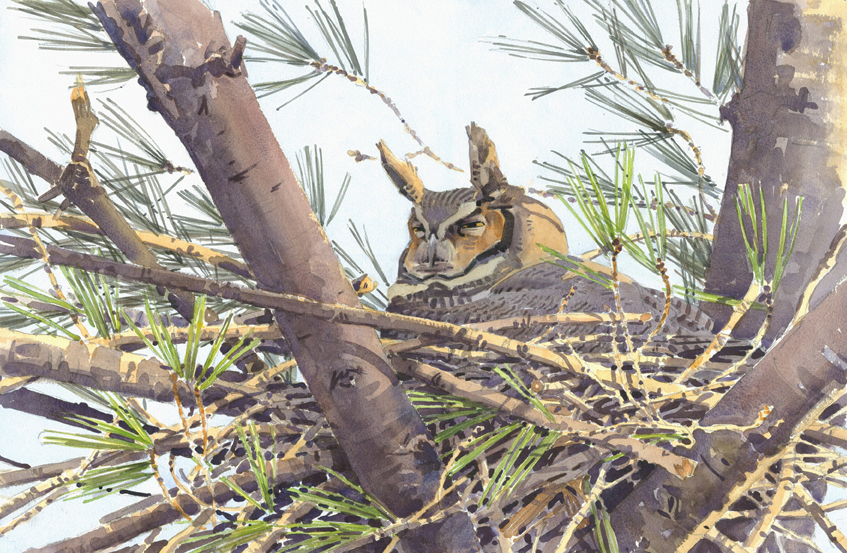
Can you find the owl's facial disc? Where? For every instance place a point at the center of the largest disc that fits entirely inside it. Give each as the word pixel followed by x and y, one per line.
pixel 448 247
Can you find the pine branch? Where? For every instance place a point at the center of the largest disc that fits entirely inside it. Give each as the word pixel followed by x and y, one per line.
pixel 77 184
pixel 279 38
pixel 162 512
pixel 83 30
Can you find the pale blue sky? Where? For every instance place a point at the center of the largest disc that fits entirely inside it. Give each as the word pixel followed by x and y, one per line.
pixel 429 59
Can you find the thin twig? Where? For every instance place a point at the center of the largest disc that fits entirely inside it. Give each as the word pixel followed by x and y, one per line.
pixel 722 337
pixel 19 207
pixel 671 58
pixel 85 225
pixel 678 465
pixel 824 523
pixel 161 482
pixel 638 236
pixel 756 341
pixel 599 486
pixel 327 68
pixel 824 267
pixel 786 484
pixel 594 55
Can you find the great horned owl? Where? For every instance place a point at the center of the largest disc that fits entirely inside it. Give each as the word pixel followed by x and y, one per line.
pixel 475 254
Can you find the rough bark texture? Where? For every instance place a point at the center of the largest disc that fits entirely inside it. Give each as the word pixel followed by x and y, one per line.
pixel 795 377
pixel 788 140
pixel 182 56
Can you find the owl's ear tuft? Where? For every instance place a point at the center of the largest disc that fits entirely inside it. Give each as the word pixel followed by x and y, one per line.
pixel 403 174
pixel 486 176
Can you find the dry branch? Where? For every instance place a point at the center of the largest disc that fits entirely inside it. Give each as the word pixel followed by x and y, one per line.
pixel 85 225
pixel 798 378
pixel 95 367
pixel 193 78
pixel 76 182
pixel 123 529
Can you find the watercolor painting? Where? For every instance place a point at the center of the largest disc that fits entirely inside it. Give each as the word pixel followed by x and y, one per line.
pixel 458 276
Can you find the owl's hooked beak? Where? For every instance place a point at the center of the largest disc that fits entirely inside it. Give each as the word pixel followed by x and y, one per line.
pixel 432 257
pixel 433 243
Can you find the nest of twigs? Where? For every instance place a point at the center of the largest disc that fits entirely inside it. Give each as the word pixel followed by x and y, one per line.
pixel 528 488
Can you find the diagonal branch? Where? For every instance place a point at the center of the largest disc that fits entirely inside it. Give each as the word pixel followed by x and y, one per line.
pixel 123 529
pixel 193 78
pixel 75 182
pixel 672 462
pixel 798 378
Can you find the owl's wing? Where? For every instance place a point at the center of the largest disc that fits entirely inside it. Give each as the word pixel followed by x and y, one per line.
pixel 539 290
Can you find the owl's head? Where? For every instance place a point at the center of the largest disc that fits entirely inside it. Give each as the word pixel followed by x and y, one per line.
pixel 467 234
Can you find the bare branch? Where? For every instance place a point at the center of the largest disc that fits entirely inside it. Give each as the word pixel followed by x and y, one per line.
pixel 87 226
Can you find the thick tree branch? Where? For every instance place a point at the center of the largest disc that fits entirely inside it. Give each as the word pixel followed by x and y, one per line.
pixel 788 141
pixel 192 77
pixel 95 367
pixel 798 377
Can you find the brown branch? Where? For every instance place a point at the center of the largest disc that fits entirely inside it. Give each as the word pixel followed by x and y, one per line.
pixel 8 385
pixel 638 236
pixel 34 510
pixel 813 508
pixel 334 313
pixel 323 67
pixel 573 318
pixel 123 529
pixel 785 485
pixel 39 473
pixel 724 334
pixel 824 267
pixel 57 290
pixel 272 332
pixel 48 485
pixel 828 434
pixel 184 61
pixel 798 378
pixel 77 184
pixel 671 58
pixel 594 55
pixel 92 366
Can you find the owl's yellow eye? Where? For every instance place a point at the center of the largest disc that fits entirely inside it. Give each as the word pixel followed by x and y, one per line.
pixel 418 230
pixel 474 228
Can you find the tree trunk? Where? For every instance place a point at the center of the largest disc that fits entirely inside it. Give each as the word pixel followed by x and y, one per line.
pixel 789 138
pixel 193 79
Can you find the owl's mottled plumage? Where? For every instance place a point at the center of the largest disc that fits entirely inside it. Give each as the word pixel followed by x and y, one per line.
pixel 475 255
